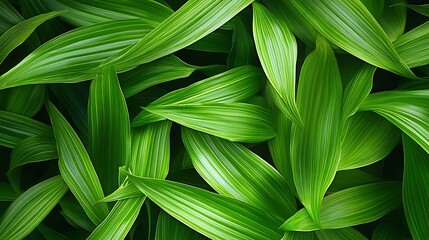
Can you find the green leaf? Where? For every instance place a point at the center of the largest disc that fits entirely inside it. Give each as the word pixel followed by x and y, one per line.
pixel 415 191
pixel 123 192
pixel 50 234
pixel 14 128
pixel 74 56
pixel 218 41
pixel 300 236
pixel 351 178
pixel 368 139
pixel 159 71
pixel 8 16
pixel 193 21
pixel 350 26
pixel 109 128
pixel 393 20
pixel 243 51
pixel 357 89
pixel 31 207
pixel 231 86
pixel 315 147
pixel 83 13
pixel 408 110
pixel 167 226
pixel 422 9
pixel 412 46
pixel 17 34
pixel 76 167
pixel 26 100
pixel 277 51
pixel 213 215
pixel 374 7
pixel 340 234
pixel 240 122
pixel 7 193
pixel 349 207
pixel 74 213
pixel 234 171
pixel 390 229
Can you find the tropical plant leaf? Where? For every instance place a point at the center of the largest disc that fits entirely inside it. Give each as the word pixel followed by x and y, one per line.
pixel 240 122
pixel 350 26
pixel 167 226
pixel 243 51
pixel 415 191
pixel 26 100
pixel 412 46
pixel 218 41
pixel 234 171
pixel 351 178
pixel 349 207
pixel 84 13
pixel 74 213
pixel 76 167
pixel 75 55
pixel 369 138
pixel 408 110
pixel 422 9
pixel 8 16
pixel 340 234
pixel 123 192
pixel 14 128
pixel 17 34
pixel 213 215
pixel 193 21
pixel 277 51
pixel 300 236
pixel 374 7
pixel 31 207
pixel 315 147
pixel 109 128
pixel 231 86
pixel 393 20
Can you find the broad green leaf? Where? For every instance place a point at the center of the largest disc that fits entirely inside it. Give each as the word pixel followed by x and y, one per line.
pixel 17 34
pixel 368 139
pixel 7 193
pixel 26 100
pixel 351 178
pixel 149 158
pixel 14 128
pixel 119 220
pixel 422 9
pixel 393 20
pixel 159 71
pixel 109 128
pixel 83 13
pixel 75 55
pixel 234 171
pixel 277 51
pixel 349 207
pixel 218 41
pixel 167 226
pixel 415 189
pixel 390 229
pixel 8 16
pixel 243 51
pixel 408 110
pixel 374 7
pixel 315 147
pixel 123 192
pixel 74 213
pixel 357 89
pixel 213 215
pixel 340 234
pixel 240 122
pixel 76 167
pixel 31 207
pixel 350 26
pixel 193 21
pixel 234 85
pixel 412 46
pixel 300 236
pixel 33 149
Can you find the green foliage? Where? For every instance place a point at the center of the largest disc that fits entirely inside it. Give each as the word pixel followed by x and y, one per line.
pixel 214 119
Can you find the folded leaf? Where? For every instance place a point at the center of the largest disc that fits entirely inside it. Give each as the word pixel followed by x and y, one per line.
pixel 215 216
pixel 239 122
pixel 350 26
pixel 368 139
pixel 109 128
pixel 349 207
pixel 14 128
pixel 277 51
pixel 415 191
pixel 76 167
pixel 31 207
pixel 17 34
pixel 340 234
pixel 167 226
pixel 193 21
pixel 231 86
pixel 412 46
pixel 26 100
pixel 234 171
pixel 74 56
pixel 83 13
pixel 315 147
pixel 408 110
